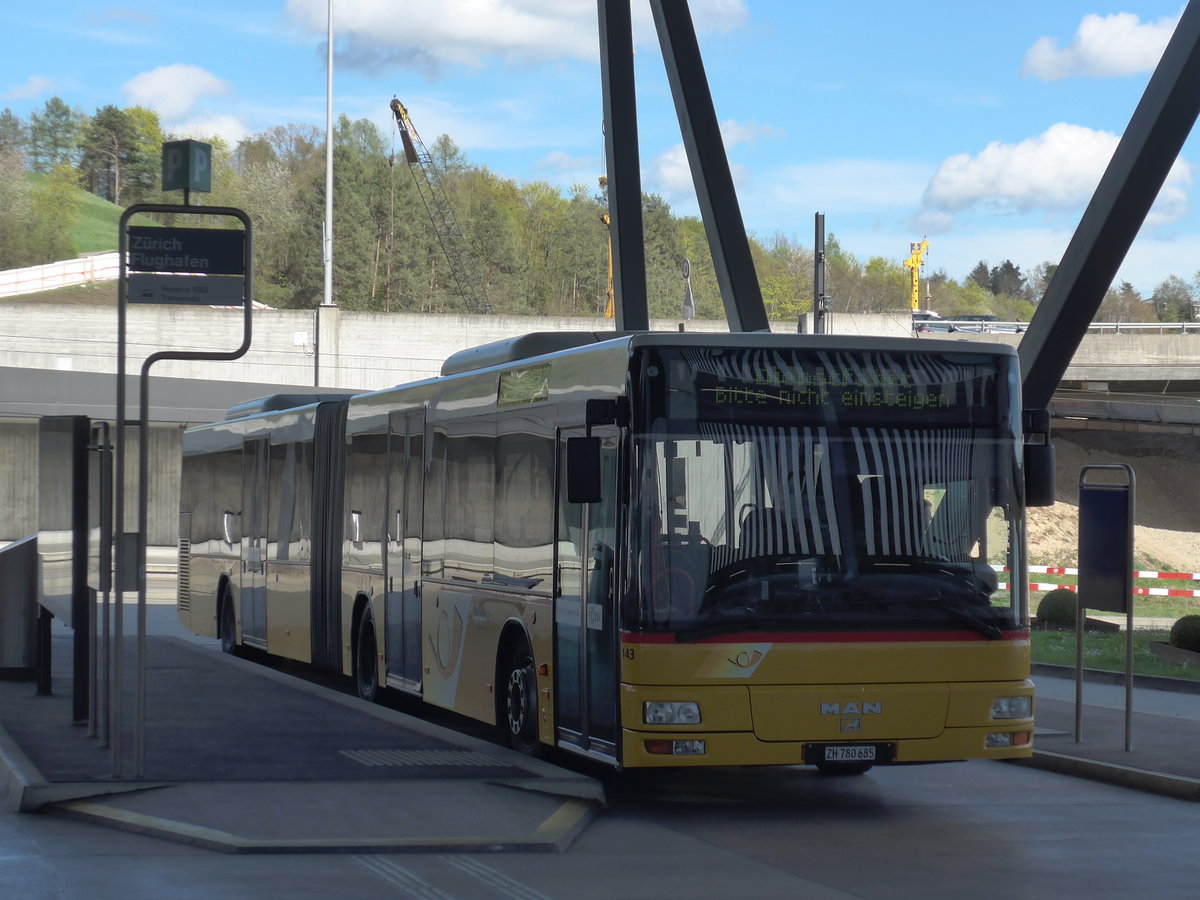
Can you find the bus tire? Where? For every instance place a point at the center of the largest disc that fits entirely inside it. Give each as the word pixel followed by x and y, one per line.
pixel 517 717
pixel 227 624
pixel 366 674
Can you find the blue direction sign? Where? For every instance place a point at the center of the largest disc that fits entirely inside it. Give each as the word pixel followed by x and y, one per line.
pixel 198 251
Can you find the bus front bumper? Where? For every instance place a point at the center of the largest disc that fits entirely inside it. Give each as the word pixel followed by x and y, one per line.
pixel 643 749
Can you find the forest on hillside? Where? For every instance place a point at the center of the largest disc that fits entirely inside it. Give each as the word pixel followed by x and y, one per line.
pixel 533 248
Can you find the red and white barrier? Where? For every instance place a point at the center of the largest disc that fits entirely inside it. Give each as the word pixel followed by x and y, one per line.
pixel 1138 591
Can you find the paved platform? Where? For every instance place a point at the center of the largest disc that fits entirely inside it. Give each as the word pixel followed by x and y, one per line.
pixel 241 758
pixel 1165 731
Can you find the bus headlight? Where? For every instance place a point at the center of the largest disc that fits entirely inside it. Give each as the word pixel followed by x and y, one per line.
pixel 657 712
pixel 1012 707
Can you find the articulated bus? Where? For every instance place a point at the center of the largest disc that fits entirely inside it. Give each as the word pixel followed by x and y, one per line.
pixel 650 549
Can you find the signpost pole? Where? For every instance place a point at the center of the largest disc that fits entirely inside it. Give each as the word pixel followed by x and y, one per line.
pixel 203 255
pixel 1106 518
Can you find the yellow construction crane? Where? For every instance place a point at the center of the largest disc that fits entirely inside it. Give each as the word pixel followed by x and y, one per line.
pixel 913 264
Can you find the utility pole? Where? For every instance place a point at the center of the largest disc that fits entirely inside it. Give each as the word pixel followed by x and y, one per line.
pixel 820 300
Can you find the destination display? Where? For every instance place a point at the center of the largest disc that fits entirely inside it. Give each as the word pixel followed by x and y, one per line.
pixel 199 251
pixel 738 386
pixel 783 388
pixel 186 266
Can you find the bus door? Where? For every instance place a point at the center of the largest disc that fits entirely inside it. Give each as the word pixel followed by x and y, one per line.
pixel 584 612
pixel 253 587
pixel 406 491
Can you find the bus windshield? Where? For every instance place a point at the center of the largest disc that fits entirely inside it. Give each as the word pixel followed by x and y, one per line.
pixel 792 490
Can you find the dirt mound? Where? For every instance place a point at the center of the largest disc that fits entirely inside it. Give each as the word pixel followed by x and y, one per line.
pixel 1166 496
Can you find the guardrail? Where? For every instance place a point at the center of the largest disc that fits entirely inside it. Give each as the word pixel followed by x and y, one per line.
pixel 1144 328
pixel 959 326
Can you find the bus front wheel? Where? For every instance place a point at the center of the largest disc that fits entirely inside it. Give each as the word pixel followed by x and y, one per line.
pixel 518 706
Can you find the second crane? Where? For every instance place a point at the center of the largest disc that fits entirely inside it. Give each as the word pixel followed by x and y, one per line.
pixel 464 267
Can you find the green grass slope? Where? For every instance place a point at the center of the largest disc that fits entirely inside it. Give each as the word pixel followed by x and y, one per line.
pixel 98 222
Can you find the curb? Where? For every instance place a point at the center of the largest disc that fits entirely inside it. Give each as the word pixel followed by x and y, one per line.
pixel 1175 786
pixel 1106 676
pixel 554 834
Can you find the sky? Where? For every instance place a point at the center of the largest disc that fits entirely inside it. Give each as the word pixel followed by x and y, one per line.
pixel 983 128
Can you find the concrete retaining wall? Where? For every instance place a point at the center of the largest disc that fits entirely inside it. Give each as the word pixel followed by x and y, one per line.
pixel 360 351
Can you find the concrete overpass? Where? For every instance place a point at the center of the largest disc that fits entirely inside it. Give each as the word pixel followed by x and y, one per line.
pixel 368 351
pixel 61 360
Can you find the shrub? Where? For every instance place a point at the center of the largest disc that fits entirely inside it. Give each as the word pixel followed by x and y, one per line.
pixel 1185 633
pixel 1057 609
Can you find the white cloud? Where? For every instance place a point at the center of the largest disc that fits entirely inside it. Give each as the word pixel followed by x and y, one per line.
pixel 33 86
pixel 671 175
pixel 205 126
pixel 1055 171
pixel 1104 46
pixel 173 90
pixel 372 33
pixel 565 170
pixel 850 185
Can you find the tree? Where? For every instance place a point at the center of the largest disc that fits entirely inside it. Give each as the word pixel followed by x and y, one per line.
pixel 1006 278
pixel 1040 279
pixel 1172 300
pixel 971 299
pixel 706 293
pixel 56 202
pixel 792 273
pixel 886 286
pixel 981 275
pixel 120 152
pixel 144 164
pixel 1124 304
pixel 843 277
pixel 14 136
pixel 15 212
pixel 255 150
pixel 54 135
pixel 664 258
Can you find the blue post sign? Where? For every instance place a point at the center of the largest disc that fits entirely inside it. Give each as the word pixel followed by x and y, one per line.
pixel 1106 520
pixel 1105 546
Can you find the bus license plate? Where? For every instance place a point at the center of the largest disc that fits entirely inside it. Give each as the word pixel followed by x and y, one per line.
pixel 851 753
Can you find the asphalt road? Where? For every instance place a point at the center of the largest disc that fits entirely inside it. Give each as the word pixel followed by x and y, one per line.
pixel 975 829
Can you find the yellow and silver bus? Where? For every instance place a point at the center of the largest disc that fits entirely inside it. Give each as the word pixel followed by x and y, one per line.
pixel 650 549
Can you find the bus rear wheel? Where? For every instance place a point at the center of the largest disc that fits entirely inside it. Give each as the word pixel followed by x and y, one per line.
pixel 366 676
pixel 227 624
pixel 518 702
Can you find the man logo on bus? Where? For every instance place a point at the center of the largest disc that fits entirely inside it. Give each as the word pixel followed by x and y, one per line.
pixel 852 709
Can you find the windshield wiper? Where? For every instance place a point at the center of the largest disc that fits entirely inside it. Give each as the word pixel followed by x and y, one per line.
pixel 976 624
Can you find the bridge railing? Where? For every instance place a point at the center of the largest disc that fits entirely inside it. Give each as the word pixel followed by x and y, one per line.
pixel 966 326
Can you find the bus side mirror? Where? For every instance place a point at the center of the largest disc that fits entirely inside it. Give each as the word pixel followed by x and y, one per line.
pixel 583 470
pixel 1039 474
